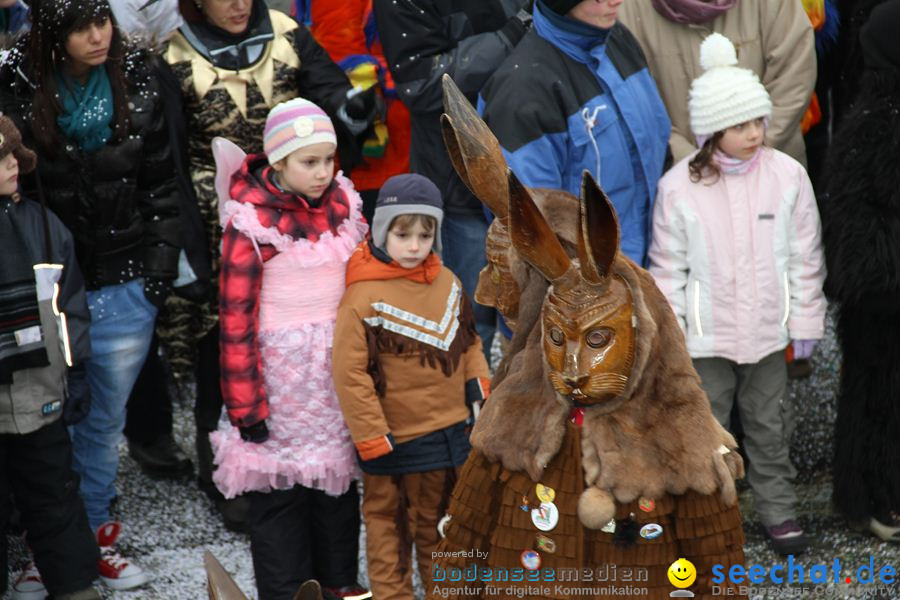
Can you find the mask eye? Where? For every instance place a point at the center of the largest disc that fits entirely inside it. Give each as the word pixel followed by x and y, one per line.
pixel 597 338
pixel 556 336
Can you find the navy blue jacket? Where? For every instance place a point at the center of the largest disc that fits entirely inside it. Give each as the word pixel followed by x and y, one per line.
pixel 565 101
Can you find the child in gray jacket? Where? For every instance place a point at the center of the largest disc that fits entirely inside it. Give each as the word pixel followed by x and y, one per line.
pixel 44 323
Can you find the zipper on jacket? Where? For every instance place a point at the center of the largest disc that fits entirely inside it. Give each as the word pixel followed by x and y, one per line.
pixel 697 309
pixel 787 300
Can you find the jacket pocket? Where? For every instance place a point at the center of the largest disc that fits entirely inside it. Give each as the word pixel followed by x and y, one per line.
pixel 594 136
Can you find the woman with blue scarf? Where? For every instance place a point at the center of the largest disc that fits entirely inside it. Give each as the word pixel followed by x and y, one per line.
pixel 88 103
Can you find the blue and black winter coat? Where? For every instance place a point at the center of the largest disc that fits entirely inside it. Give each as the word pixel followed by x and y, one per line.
pixel 573 97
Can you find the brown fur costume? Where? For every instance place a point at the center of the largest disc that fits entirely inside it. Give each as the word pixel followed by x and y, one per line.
pixel 657 441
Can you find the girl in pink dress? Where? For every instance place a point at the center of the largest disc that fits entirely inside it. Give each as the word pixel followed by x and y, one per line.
pixel 290 226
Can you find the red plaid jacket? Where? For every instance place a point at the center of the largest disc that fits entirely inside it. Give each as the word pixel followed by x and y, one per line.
pixel 241 277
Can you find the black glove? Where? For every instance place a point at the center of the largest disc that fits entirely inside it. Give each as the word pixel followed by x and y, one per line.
pixel 361 104
pixel 256 433
pixel 78 401
pixel 516 27
pixel 156 291
pixel 361 109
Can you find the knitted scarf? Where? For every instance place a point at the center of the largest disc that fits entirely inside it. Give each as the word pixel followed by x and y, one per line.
pixel 87 109
pixel 692 12
pixel 735 166
pixel 21 337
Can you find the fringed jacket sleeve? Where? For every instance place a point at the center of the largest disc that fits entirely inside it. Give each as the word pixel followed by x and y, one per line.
pixel 354 385
pixel 474 363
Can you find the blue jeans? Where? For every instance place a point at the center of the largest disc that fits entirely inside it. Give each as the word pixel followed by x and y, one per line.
pixel 462 238
pixel 121 329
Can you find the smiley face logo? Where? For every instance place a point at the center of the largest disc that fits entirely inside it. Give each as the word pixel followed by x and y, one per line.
pixel 682 573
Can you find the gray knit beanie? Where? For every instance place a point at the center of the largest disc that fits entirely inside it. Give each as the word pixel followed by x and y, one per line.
pixel 407 194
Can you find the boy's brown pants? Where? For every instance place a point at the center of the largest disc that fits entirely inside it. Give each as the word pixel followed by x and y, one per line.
pixel 399 510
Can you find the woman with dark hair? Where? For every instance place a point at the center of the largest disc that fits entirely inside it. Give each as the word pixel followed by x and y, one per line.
pixel 87 102
pixel 236 59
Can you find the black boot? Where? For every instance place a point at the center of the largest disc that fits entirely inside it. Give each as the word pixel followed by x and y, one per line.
pixel 161 459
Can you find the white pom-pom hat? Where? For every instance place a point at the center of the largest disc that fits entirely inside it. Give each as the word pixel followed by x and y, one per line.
pixel 725 95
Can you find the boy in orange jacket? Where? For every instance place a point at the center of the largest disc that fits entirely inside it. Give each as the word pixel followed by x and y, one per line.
pixel 409 371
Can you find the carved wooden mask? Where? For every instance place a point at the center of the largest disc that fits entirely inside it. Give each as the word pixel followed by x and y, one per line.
pixel 478 160
pixel 588 322
pixel 496 285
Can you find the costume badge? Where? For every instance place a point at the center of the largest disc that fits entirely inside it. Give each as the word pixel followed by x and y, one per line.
pixel 530 559
pixel 545 517
pixel 545 493
pixel 646 504
pixel 545 544
pixel 651 531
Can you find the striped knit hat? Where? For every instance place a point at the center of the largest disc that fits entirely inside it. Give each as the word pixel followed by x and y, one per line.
pixel 293 125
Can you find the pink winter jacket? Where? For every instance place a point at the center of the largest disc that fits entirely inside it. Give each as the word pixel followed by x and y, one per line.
pixel 740 260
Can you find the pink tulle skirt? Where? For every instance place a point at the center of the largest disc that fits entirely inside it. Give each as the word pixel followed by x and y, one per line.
pixel 309 443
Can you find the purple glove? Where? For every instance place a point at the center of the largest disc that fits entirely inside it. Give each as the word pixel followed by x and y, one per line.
pixel 803 349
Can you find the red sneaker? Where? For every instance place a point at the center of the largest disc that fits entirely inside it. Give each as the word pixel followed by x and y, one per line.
pixel 117 572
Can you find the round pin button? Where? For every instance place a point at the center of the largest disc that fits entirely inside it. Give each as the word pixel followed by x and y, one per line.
pixel 646 504
pixel 651 531
pixel 545 544
pixel 530 559
pixel 545 517
pixel 545 493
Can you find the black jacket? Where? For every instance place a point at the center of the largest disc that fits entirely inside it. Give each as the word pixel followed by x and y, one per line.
pixel 120 202
pixel 193 235
pixel 468 39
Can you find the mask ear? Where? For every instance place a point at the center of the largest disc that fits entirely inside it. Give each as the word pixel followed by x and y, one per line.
pixel 531 235
pixel 598 231
pixel 473 149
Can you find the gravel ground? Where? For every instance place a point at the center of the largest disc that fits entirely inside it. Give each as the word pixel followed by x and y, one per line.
pixel 170 524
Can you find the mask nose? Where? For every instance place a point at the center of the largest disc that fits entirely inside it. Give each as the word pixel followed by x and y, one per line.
pixel 572 380
pixel 571 373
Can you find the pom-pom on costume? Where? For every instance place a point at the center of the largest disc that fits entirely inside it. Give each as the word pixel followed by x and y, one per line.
pixel 597 446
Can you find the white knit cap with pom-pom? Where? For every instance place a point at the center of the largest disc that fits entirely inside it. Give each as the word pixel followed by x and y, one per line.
pixel 725 95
